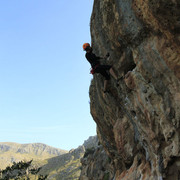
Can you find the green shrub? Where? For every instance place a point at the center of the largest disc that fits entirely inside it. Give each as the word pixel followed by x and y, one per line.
pixel 106 176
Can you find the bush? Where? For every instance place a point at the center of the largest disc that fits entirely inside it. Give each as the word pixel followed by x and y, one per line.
pixel 106 176
pixel 21 170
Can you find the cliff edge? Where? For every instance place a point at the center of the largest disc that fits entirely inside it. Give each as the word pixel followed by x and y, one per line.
pixel 138 122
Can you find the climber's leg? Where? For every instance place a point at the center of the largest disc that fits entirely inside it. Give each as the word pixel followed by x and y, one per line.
pixel 113 73
pixel 102 70
pixel 105 85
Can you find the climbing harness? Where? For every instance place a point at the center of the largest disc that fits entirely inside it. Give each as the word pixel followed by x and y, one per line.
pixel 92 70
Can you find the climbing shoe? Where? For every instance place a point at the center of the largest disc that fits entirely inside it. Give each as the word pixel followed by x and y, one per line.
pixel 117 81
pixel 105 91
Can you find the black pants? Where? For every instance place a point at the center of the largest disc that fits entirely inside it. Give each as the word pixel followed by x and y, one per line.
pixel 102 69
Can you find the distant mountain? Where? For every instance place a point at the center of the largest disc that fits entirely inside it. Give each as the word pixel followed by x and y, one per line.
pixel 92 141
pixel 33 148
pixel 14 152
pixel 56 163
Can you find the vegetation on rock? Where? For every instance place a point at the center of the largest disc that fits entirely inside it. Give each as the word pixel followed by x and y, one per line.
pixel 21 171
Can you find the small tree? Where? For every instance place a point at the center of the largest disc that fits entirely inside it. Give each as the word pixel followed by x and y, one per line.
pixel 21 171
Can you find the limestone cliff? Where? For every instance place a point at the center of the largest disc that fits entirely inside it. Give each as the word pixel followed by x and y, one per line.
pixel 138 122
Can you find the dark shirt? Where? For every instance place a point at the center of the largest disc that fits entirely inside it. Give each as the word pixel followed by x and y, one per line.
pixel 93 59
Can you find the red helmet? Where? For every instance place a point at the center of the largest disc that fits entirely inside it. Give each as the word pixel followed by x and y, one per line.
pixel 85 45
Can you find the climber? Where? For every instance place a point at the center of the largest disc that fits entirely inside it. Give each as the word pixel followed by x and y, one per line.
pixel 96 67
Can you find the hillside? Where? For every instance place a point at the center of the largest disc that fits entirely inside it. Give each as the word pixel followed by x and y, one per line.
pixel 14 152
pixel 68 166
pixel 138 122
pixel 56 163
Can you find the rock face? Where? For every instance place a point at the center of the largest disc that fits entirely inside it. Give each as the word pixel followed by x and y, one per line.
pixel 138 121
pixel 91 142
pixel 96 165
pixel 95 162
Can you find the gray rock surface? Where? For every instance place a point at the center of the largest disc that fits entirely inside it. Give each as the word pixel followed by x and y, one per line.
pixel 138 122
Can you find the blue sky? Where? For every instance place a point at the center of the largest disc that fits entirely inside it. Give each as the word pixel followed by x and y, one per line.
pixel 44 76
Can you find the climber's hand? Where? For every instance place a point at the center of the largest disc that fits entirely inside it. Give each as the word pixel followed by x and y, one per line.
pixel 107 56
